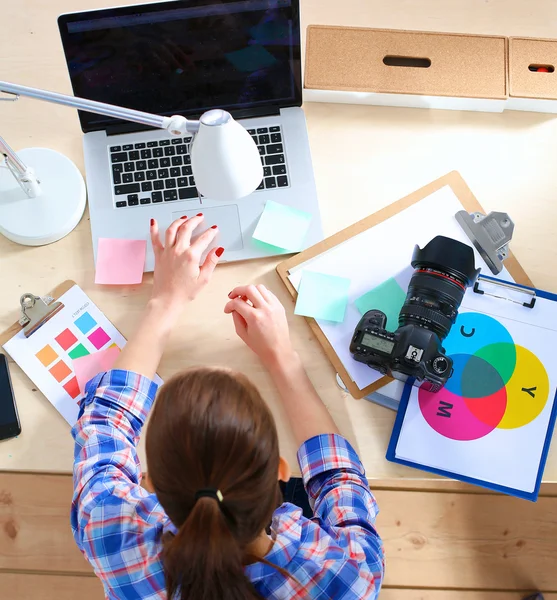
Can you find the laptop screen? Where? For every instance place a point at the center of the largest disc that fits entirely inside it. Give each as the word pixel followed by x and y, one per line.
pixel 185 57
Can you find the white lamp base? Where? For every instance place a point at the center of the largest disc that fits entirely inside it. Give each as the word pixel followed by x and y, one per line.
pixel 53 214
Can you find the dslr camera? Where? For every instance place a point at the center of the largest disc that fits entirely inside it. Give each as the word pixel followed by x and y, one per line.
pixel 443 270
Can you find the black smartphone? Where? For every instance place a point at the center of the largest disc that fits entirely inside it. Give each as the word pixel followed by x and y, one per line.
pixel 9 419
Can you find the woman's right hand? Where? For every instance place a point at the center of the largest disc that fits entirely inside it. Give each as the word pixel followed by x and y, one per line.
pixel 260 321
pixel 178 276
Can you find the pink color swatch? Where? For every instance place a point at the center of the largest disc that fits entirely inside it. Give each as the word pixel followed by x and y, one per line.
pixel 66 339
pixel 120 262
pixel 86 367
pixel 99 338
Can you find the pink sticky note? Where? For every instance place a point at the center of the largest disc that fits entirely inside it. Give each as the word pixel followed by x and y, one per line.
pixel 120 262
pixel 86 367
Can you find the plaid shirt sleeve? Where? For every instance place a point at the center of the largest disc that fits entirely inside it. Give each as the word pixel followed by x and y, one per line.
pixel 115 522
pixel 342 500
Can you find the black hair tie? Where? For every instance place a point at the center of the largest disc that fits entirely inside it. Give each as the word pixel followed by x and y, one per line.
pixel 209 493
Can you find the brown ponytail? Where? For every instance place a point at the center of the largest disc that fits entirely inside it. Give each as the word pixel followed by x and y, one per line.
pixel 210 428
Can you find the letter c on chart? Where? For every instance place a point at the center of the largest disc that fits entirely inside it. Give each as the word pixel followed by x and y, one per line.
pixel 465 334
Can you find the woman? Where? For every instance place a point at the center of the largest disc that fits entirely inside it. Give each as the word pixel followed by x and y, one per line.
pixel 213 458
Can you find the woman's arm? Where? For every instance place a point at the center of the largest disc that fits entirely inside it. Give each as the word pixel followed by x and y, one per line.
pixel 260 321
pixel 178 279
pixel 114 520
pixel 333 475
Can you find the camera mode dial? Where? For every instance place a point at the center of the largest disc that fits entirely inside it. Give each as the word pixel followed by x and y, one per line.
pixel 440 365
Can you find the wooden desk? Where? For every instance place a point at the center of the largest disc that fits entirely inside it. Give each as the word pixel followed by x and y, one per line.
pixel 364 158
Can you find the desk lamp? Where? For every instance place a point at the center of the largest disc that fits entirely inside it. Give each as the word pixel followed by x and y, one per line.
pixel 50 199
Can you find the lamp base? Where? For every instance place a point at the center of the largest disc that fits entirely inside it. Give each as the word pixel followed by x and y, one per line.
pixel 50 216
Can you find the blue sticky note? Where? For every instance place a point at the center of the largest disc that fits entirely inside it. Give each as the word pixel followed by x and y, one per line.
pixel 322 296
pixel 282 226
pixel 85 323
pixel 387 297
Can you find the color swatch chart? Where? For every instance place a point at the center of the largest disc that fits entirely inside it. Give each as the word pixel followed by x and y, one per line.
pixel 78 330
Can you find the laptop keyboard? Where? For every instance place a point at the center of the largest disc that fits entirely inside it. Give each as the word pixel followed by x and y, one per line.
pixel 151 172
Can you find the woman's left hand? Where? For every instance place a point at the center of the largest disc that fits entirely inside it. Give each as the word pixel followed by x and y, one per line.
pixel 178 276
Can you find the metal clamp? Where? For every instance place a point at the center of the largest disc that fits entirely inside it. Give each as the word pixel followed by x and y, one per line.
pixel 490 235
pixel 505 291
pixel 36 311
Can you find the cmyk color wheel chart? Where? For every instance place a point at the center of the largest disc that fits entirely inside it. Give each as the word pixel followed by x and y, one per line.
pixel 495 383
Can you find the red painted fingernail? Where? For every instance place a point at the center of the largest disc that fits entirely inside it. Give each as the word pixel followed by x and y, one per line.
pixel 152 222
pixel 199 214
pixel 214 227
pixel 219 252
pixel 184 217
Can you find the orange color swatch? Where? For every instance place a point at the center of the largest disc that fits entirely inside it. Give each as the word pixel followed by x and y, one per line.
pixel 60 371
pixel 47 355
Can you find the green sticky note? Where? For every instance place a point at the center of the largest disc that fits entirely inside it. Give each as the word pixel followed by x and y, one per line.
pixel 282 226
pixel 79 351
pixel 322 296
pixel 388 298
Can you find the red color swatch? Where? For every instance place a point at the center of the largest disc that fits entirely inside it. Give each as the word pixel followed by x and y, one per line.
pixel 72 388
pixel 66 339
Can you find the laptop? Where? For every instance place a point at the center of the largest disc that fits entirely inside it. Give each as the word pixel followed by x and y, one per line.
pixel 187 57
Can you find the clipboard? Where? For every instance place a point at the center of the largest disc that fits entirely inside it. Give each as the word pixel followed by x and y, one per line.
pixel 469 202
pixel 504 291
pixel 37 311
pixel 53 333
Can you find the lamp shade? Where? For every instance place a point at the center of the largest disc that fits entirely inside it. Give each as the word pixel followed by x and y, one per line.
pixel 224 158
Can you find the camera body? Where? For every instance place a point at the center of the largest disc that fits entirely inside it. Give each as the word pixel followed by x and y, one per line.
pixel 411 351
pixel 443 270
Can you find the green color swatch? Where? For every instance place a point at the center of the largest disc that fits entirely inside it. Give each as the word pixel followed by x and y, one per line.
pixel 388 298
pixel 322 296
pixel 282 226
pixel 79 351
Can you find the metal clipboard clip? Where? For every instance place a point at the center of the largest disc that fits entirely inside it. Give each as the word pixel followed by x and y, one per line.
pixel 36 311
pixel 490 234
pixel 505 291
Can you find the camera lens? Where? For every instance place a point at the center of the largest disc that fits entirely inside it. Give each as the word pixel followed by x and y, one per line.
pixel 444 268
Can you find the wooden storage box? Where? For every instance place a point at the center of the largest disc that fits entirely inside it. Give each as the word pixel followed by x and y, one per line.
pixel 533 75
pixel 405 68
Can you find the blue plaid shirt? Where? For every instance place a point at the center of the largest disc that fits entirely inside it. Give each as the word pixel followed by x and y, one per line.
pixel 118 525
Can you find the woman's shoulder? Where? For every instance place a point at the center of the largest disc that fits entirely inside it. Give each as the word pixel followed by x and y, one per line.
pixel 315 559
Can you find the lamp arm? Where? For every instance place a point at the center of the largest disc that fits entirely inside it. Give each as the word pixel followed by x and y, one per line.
pixel 23 174
pixel 176 125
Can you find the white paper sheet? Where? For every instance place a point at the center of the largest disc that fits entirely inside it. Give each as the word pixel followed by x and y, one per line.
pixel 379 253
pixel 24 350
pixel 504 456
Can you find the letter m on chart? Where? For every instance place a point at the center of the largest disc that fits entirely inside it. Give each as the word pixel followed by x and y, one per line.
pixel 444 409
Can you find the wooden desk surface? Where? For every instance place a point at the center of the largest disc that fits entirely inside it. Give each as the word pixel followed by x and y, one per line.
pixel 364 159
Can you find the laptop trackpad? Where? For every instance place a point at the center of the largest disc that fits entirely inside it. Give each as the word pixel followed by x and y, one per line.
pixel 226 218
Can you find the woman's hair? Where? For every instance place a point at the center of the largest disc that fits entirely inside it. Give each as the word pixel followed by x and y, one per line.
pixel 210 429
